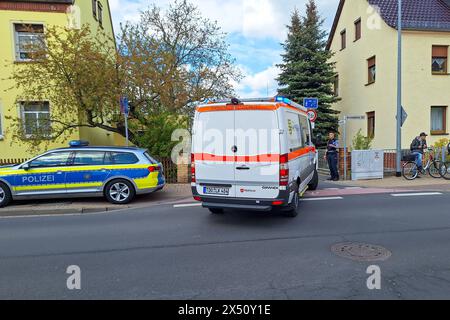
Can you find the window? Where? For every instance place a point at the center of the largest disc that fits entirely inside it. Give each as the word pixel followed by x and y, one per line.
pixel 358 29
pixel 371 65
pixel 150 158
pixel 121 158
pixel 36 118
pixel 304 125
pixel 94 9
pixel 439 59
pixel 438 120
pixel 89 158
pixel 56 159
pixel 100 13
pixel 343 39
pixel 294 131
pixel 27 37
pixel 336 86
pixel 371 124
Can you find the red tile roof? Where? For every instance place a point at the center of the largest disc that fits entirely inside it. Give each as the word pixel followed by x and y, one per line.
pixel 425 15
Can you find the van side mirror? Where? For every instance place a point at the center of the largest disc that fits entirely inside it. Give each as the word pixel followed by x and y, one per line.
pixel 25 166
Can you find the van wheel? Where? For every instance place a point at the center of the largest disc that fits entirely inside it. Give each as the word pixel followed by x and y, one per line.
pixel 216 211
pixel 119 191
pixel 5 195
pixel 314 181
pixel 292 210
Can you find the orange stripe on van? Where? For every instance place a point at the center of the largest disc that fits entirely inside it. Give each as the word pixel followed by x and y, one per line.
pixel 252 159
pixel 271 107
pixel 301 152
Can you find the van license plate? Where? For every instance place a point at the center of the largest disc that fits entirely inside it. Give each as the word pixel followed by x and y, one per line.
pixel 216 190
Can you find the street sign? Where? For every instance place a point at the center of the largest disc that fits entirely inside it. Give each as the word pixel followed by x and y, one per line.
pixel 311 103
pixel 312 115
pixel 355 117
pixel 404 116
pixel 124 106
pixel 125 110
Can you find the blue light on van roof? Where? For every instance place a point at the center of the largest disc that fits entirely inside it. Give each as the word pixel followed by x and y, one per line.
pixel 78 143
pixel 282 99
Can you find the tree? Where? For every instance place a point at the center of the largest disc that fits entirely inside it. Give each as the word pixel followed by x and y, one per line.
pixel 360 142
pixel 77 73
pixel 164 64
pixel 201 63
pixel 306 71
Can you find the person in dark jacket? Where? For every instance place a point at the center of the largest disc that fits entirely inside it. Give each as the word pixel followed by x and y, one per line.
pixel 332 156
pixel 418 147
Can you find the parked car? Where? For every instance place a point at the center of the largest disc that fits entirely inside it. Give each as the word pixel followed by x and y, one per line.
pixel 116 173
pixel 252 154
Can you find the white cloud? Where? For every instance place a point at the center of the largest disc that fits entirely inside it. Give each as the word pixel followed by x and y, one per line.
pixel 260 84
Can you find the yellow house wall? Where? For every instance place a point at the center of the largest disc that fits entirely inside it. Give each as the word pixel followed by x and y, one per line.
pixel 8 108
pixel 421 89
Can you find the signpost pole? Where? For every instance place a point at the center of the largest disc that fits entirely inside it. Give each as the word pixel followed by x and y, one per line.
pixel 399 91
pixel 125 109
pixel 126 130
pixel 345 148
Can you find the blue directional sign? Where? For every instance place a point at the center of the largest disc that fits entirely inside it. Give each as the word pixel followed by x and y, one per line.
pixel 311 103
pixel 124 106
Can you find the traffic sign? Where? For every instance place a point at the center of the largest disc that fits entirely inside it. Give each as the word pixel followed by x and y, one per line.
pixel 311 103
pixel 312 115
pixel 124 106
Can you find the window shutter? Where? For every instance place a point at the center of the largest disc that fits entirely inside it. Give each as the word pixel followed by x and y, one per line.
pixel 440 51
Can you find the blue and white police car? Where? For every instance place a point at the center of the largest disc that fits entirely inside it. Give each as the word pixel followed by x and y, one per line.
pixel 117 173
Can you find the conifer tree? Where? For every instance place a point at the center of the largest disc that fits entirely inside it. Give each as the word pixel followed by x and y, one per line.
pixel 306 71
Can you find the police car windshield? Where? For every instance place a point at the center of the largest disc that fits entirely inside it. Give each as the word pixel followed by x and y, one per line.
pixel 149 157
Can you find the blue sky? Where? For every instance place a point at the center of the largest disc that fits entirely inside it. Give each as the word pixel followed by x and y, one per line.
pixel 255 30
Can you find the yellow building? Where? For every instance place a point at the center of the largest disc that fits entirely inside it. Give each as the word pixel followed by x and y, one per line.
pixel 14 14
pixel 364 42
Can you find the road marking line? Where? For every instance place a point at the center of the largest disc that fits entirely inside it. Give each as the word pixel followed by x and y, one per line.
pixel 187 205
pixel 322 199
pixel 416 194
pixel 353 188
pixel 331 189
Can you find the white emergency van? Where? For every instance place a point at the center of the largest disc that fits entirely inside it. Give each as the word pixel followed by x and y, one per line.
pixel 254 154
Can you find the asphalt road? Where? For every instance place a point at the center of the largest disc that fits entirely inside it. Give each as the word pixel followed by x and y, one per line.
pixel 187 253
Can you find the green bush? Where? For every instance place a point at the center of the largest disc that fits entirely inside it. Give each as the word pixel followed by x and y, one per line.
pixel 360 142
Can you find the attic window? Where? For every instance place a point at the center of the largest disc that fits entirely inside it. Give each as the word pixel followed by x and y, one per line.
pixel 439 59
pixel 358 29
pixel 343 39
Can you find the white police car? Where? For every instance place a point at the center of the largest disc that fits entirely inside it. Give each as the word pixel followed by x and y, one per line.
pixel 117 173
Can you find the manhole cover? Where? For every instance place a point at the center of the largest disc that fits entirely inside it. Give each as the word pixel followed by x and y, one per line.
pixel 361 251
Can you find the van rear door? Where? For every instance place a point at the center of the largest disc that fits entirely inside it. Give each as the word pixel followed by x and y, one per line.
pixel 257 137
pixel 213 143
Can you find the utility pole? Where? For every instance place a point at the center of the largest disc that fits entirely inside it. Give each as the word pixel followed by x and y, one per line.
pixel 399 91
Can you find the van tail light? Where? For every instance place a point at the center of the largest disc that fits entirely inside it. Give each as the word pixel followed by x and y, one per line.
pixel 284 170
pixel 193 179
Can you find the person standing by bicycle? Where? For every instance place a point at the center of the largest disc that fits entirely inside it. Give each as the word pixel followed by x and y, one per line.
pixel 418 147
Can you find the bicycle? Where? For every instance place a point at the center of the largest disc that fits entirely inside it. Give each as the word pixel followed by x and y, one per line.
pixel 432 166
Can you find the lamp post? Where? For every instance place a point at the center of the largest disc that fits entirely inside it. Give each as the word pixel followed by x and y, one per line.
pixel 399 90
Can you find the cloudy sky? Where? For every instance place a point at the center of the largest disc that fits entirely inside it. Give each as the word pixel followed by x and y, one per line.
pixel 255 30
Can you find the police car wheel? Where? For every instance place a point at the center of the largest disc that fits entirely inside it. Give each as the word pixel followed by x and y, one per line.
pixel 119 192
pixel 5 195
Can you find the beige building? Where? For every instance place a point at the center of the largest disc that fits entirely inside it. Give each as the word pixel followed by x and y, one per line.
pixel 364 42
pixel 39 14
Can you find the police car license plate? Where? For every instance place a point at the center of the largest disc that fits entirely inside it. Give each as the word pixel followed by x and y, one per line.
pixel 216 190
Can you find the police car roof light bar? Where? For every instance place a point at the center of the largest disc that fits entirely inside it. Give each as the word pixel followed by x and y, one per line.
pixel 78 143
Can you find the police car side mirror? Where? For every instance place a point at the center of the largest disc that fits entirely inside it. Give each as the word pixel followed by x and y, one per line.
pixel 25 167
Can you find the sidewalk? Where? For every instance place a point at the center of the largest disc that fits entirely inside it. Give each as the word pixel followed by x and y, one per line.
pixel 171 194
pixel 426 183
